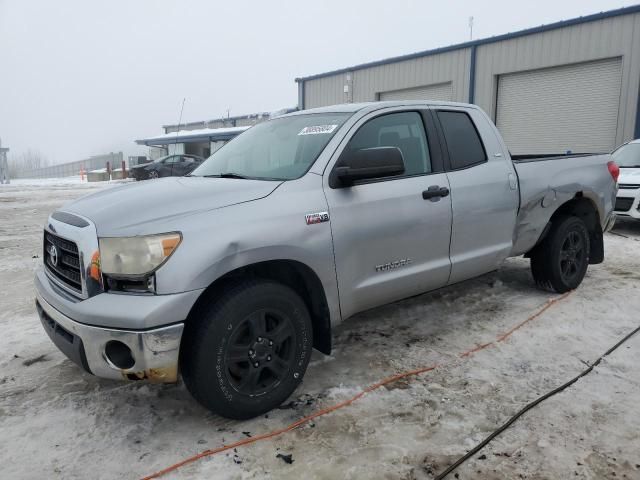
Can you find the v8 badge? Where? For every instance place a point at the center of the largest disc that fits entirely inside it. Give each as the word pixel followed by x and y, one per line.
pixel 313 218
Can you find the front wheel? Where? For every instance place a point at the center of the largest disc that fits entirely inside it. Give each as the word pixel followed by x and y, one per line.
pixel 560 262
pixel 248 350
pixel 153 174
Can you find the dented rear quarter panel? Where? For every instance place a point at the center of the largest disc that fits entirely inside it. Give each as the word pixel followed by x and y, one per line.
pixel 545 185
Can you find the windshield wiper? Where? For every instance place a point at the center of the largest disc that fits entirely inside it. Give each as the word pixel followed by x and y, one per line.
pixel 227 175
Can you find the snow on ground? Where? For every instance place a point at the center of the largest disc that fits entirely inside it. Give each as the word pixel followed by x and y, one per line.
pixel 75 181
pixel 42 182
pixel 59 422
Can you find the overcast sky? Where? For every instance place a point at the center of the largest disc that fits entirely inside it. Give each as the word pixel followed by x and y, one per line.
pixel 80 78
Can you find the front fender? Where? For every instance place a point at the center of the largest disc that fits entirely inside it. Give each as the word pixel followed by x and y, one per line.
pixel 272 228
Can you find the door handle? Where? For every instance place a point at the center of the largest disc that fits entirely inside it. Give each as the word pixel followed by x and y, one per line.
pixel 435 192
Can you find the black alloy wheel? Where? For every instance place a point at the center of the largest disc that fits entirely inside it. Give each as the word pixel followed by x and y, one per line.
pixel 559 262
pixel 245 350
pixel 260 352
pixel 572 256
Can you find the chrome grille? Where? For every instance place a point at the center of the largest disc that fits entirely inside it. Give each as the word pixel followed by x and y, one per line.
pixel 62 261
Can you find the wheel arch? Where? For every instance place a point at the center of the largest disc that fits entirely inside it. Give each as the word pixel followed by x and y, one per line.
pixel 585 208
pixel 298 276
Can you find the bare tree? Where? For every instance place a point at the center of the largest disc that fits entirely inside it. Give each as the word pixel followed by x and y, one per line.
pixel 26 161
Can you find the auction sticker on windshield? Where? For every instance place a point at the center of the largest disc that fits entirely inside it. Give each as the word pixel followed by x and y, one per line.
pixel 318 129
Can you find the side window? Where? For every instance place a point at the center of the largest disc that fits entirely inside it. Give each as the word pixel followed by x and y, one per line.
pixel 463 142
pixel 172 159
pixel 403 130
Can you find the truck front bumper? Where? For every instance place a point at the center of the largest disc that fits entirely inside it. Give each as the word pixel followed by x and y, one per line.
pixel 117 354
pixel 148 348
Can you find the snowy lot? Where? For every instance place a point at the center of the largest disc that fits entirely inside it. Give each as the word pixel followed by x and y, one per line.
pixel 58 422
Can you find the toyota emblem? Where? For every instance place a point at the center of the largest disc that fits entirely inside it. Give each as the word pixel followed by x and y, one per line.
pixel 53 255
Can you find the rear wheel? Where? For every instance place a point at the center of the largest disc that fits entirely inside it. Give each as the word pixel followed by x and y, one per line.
pixel 560 262
pixel 248 350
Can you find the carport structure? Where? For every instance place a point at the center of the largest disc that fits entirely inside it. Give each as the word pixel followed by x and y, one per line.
pixel 202 142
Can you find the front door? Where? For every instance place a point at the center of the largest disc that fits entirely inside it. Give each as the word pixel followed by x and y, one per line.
pixel 391 240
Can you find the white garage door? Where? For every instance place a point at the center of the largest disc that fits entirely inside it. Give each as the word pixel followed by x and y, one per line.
pixel 555 110
pixel 441 91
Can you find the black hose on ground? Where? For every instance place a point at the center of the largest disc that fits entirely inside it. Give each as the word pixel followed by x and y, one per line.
pixel 529 406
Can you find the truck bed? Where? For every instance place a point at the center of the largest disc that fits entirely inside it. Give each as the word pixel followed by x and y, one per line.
pixel 536 157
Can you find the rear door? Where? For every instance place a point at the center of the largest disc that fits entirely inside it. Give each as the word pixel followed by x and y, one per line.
pixel 484 192
pixel 169 165
pixel 183 166
pixel 163 167
pixel 389 241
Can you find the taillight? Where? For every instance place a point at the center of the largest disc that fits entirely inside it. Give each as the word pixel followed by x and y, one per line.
pixel 614 170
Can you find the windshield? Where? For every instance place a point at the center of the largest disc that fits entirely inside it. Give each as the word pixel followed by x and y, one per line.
pixel 161 159
pixel 280 149
pixel 627 155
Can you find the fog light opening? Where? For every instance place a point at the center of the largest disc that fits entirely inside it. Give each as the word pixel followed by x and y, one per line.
pixel 119 354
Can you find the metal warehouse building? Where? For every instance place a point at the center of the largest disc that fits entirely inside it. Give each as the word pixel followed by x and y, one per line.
pixel 569 86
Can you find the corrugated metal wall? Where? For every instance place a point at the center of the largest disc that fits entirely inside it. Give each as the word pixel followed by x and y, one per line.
pixel 439 91
pixel 612 37
pixel 447 67
pixel 367 84
pixel 325 91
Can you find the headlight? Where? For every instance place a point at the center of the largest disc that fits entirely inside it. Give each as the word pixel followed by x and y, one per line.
pixel 136 256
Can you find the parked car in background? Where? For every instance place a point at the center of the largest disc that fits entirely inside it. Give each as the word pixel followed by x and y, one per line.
pixel 169 166
pixel 627 157
pixel 231 275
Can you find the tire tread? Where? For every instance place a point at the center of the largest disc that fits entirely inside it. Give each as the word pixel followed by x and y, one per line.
pixel 543 267
pixel 203 319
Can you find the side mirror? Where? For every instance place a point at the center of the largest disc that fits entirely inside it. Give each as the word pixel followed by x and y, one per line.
pixel 366 163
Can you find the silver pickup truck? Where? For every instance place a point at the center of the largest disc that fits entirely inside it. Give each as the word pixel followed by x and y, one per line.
pixel 232 274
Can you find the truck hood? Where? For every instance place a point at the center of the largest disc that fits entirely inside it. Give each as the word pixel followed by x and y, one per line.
pixel 131 208
pixel 629 175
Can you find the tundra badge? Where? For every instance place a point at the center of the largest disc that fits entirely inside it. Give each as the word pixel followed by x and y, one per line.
pixel 385 267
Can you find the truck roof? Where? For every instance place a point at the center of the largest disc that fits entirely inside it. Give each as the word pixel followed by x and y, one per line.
pixel 356 107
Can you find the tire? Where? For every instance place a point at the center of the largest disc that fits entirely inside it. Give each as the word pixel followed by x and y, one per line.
pixel 247 350
pixel 153 174
pixel 559 263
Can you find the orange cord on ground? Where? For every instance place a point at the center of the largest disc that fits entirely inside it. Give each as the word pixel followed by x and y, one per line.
pixel 550 302
pixel 345 403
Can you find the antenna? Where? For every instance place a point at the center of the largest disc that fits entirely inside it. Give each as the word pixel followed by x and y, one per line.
pixel 178 129
pixel 471 28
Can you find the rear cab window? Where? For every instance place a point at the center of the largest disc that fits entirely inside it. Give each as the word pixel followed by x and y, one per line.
pixel 462 138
